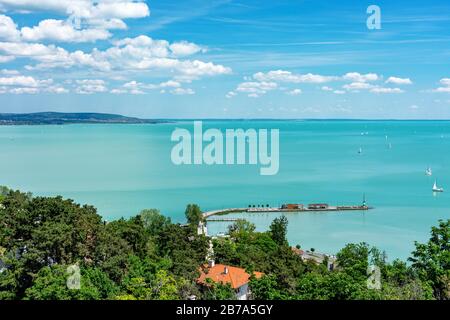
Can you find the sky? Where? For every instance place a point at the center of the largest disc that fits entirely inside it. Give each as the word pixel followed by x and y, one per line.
pixel 226 58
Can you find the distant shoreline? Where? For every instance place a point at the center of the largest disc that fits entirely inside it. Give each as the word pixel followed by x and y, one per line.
pixel 61 118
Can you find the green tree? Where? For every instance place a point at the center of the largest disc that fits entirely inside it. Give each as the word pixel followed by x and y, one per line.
pixel 51 284
pixel 218 291
pixel 241 229
pixel 193 214
pixel 266 288
pixel 154 222
pixel 278 230
pixel 431 260
pixel 184 248
pixel 354 260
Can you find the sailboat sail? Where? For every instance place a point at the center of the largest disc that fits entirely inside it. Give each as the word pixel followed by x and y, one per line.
pixel 436 188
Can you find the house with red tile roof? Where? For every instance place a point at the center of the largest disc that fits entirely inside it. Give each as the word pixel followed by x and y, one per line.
pixel 236 277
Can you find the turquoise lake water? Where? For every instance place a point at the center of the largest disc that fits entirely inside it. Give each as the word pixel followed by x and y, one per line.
pixel 122 169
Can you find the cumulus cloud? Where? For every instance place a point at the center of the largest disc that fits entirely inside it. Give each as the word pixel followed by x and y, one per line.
pixel 386 90
pixel 258 84
pixel 133 54
pixel 294 92
pixel 9 72
pixel 90 86
pixel 358 77
pixel 356 86
pixel 25 81
pixel 445 88
pixel 16 83
pixel 182 91
pixel 184 48
pixel 24 90
pixel 8 29
pixel 4 59
pixel 289 77
pixel 84 10
pixel 398 81
pixel 135 87
pixel 230 94
pixel 89 21
pixel 254 88
pixel 62 31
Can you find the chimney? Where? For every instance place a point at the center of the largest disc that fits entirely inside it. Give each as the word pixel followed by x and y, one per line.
pixel 225 271
pixel 211 263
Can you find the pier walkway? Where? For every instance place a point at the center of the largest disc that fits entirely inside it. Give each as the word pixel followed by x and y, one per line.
pixel 220 212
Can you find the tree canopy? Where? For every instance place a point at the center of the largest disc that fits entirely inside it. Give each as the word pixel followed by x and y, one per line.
pixel 149 257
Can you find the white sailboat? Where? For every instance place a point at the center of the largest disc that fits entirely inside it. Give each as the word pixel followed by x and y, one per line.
pixel 360 151
pixel 436 188
pixel 429 172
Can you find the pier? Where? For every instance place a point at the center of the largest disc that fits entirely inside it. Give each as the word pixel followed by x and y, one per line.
pixel 223 220
pixel 285 208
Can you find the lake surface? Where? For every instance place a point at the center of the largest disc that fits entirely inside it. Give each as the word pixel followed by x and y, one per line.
pixel 122 169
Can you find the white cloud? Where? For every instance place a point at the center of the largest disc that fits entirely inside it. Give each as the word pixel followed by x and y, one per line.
pixel 442 90
pixel 294 92
pixel 133 54
pixel 4 59
pixel 24 90
pixel 339 92
pixel 398 81
pixel 287 76
pixel 62 31
pixel 170 84
pixel 326 88
pixel 184 48
pixel 56 89
pixel 256 88
pixel 358 77
pixel 90 86
pixel 8 29
pixel 136 91
pixel 182 91
pixel 446 86
pixel 118 91
pixel 134 87
pixel 85 10
pixel 17 83
pixel 195 69
pixel 25 81
pixel 9 72
pixel 445 82
pixel 386 90
pixel 356 86
pixel 231 94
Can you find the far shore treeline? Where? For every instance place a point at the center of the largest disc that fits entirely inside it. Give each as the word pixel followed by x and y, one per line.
pixel 149 257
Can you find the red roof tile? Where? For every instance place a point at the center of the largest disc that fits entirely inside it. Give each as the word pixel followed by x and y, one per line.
pixel 236 277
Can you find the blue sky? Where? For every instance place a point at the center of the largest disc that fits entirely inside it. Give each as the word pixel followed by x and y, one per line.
pixel 226 59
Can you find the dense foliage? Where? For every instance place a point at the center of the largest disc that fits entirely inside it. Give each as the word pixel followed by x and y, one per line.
pixel 148 257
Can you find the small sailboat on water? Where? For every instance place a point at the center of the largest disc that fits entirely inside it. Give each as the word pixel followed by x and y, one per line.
pixel 360 150
pixel 429 172
pixel 436 188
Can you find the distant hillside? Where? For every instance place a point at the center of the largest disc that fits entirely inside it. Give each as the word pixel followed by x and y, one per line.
pixel 66 118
